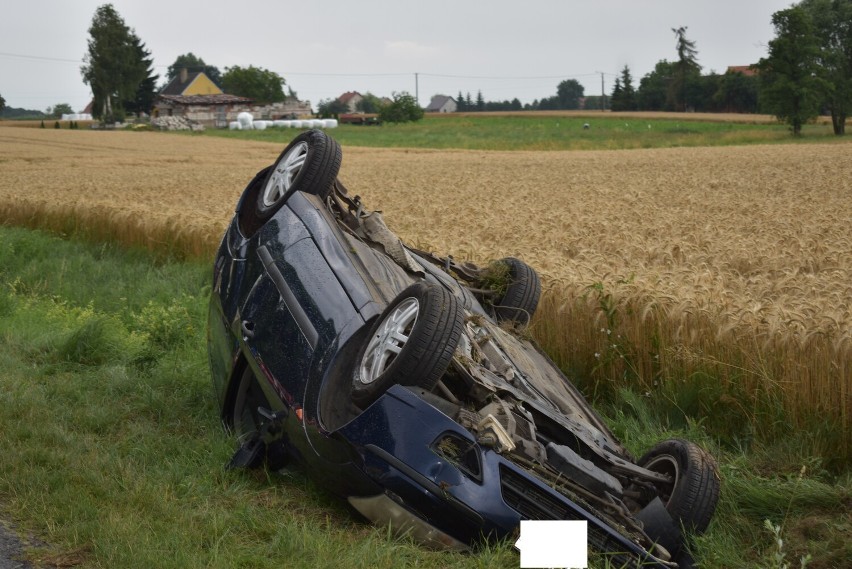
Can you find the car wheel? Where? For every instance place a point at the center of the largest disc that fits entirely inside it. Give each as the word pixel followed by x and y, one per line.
pixel 411 342
pixel 520 300
pixel 245 420
pixel 692 496
pixel 310 164
pixel 247 424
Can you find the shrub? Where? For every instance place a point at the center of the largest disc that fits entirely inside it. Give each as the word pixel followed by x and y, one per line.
pixel 403 108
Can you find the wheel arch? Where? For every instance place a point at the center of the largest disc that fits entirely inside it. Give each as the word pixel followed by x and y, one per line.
pixel 232 385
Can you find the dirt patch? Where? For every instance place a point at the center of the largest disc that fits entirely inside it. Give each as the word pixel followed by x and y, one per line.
pixel 11 548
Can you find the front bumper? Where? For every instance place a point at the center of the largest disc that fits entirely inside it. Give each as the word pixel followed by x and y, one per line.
pixel 382 510
pixel 395 438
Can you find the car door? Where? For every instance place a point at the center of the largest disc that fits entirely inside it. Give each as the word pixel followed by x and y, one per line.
pixel 295 309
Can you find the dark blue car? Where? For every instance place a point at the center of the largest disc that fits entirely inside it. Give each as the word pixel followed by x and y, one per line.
pixel 405 382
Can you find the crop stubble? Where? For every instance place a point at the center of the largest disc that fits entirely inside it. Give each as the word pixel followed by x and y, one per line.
pixel 736 260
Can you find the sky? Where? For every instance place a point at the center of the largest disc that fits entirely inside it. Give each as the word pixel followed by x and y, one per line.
pixel 505 48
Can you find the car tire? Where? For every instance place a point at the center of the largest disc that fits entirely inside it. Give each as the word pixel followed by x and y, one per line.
pixel 521 298
pixel 410 343
pixel 691 499
pixel 310 164
pixel 247 423
pixel 244 419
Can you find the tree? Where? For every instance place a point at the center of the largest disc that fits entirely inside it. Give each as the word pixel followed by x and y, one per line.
pixel 832 20
pixel 461 106
pixel 329 108
pixel 402 108
pixel 623 94
pixel 368 104
pixel 2 103
pixel 686 69
pixel 701 92
pixel 58 110
pixel 569 93
pixel 191 62
pixel 112 66
pixel 143 100
pixel 652 94
pixel 790 86
pixel 549 104
pixel 617 95
pixel 480 101
pixel 256 83
pixel 737 93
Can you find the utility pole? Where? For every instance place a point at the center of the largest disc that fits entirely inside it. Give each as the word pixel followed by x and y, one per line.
pixel 603 93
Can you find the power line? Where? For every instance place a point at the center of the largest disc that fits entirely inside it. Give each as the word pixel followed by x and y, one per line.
pixel 55 59
pixel 515 77
pixel 313 74
pixel 293 73
pixel 40 58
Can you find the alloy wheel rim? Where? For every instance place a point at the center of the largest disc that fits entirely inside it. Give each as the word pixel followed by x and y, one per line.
pixel 388 340
pixel 284 173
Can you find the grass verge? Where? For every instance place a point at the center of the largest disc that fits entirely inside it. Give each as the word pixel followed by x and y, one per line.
pixel 114 452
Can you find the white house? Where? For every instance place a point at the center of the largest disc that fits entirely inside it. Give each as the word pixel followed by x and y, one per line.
pixel 442 104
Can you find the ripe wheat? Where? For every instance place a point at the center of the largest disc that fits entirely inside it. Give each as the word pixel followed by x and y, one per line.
pixel 658 264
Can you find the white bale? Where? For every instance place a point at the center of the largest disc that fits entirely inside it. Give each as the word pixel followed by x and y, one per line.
pixel 245 119
pixel 315 123
pixel 296 124
pixel 279 124
pixel 287 124
pixel 233 125
pixel 259 125
pixel 329 123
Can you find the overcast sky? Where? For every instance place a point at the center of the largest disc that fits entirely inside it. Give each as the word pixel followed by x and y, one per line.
pixel 506 49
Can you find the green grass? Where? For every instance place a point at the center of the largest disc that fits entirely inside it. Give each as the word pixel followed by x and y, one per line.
pixel 113 453
pixel 113 450
pixel 548 133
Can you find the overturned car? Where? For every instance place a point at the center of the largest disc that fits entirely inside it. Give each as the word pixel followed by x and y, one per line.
pixel 405 382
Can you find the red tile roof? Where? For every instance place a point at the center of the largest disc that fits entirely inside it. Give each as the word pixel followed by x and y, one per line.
pixel 348 96
pixel 746 70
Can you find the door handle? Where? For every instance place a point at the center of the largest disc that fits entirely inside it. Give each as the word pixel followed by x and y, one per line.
pixel 247 327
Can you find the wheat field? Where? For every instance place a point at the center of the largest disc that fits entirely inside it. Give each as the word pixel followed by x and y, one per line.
pixel 661 267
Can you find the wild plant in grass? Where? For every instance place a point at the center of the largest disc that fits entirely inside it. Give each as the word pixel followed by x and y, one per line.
pixel 777 556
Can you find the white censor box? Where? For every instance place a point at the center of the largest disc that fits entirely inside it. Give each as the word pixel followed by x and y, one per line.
pixel 554 543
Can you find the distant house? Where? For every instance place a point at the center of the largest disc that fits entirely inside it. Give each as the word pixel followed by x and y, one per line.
pixel 747 70
pixel 188 83
pixel 195 97
pixel 442 104
pixel 209 110
pixel 351 100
